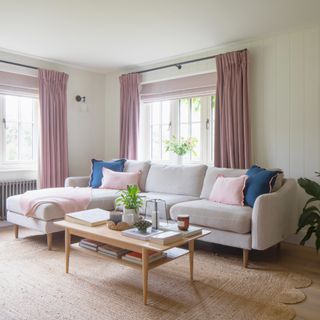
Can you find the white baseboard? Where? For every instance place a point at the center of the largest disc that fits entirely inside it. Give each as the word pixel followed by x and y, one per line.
pixel 296 238
pixel 4 224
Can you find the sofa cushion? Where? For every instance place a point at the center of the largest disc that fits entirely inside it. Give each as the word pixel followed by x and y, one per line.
pixel 211 177
pixel 134 166
pixel 119 180
pixel 96 170
pixel 101 198
pixel 170 199
pixel 215 215
pixel 184 180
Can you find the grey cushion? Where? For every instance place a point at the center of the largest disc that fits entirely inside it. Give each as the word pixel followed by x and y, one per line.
pixel 134 166
pixel 212 174
pixel 215 215
pixel 184 180
pixel 101 198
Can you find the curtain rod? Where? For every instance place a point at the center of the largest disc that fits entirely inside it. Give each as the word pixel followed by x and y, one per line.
pixel 179 64
pixel 19 64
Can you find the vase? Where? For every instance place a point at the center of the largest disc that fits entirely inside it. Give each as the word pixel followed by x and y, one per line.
pixel 179 160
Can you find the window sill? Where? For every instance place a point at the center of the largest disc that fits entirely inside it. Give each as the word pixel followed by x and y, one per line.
pixel 17 169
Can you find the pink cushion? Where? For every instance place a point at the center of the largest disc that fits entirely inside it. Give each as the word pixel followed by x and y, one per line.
pixel 229 190
pixel 119 180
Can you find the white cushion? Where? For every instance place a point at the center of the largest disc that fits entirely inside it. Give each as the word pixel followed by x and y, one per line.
pixel 170 199
pixel 101 198
pixel 215 215
pixel 211 176
pixel 134 166
pixel 185 180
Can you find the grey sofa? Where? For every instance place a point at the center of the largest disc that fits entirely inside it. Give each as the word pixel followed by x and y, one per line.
pixel 186 190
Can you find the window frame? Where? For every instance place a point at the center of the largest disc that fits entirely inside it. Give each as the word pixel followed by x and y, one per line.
pixel 206 130
pixel 13 165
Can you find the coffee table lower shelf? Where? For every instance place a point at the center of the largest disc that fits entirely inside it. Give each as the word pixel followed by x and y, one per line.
pixel 171 254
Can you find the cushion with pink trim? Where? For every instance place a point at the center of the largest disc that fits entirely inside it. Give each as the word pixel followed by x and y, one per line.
pixel 119 180
pixel 229 190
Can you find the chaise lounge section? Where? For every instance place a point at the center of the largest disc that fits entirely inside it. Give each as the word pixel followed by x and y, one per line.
pixel 186 190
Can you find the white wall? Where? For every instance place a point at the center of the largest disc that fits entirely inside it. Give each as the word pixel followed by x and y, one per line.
pixel 86 130
pixel 284 78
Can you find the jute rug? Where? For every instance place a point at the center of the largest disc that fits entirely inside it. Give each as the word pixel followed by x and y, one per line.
pixel 33 286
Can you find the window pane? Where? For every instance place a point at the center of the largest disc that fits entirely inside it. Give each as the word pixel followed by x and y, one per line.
pixel 184 131
pixel 26 142
pixel 166 112
pixel 165 136
pixel 156 142
pixel 11 141
pixel 12 107
pixel 196 109
pixel 156 112
pixel 26 109
pixel 184 110
pixel 196 133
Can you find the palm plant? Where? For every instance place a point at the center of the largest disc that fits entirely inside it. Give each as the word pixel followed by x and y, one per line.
pixel 130 198
pixel 310 216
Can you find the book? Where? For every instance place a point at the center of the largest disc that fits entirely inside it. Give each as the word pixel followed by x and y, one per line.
pixel 90 218
pixel 136 257
pixel 166 237
pixel 192 230
pixel 111 250
pixel 136 234
pixel 89 244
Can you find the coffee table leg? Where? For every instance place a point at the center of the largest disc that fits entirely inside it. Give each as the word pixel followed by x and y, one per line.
pixel 191 253
pixel 145 267
pixel 67 240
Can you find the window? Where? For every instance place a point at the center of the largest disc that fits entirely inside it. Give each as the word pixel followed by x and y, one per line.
pixel 182 118
pixel 19 134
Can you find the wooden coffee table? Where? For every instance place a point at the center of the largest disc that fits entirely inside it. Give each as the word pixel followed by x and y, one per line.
pixel 115 238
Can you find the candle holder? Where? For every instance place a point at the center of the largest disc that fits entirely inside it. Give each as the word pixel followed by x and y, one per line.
pixel 156 208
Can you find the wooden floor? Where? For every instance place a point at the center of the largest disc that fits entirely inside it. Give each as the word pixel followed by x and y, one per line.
pixel 303 260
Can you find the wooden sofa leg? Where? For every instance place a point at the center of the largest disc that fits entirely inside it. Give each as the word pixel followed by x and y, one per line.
pixel 245 257
pixel 49 241
pixel 16 231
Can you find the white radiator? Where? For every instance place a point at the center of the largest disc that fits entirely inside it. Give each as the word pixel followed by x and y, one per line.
pixel 11 188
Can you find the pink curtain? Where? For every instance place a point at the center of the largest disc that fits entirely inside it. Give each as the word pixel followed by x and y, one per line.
pixel 129 117
pixel 53 115
pixel 232 142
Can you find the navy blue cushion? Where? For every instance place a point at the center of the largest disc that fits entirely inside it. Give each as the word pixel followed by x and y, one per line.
pixel 96 170
pixel 260 181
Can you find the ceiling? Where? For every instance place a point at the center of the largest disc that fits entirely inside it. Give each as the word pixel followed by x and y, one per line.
pixel 105 35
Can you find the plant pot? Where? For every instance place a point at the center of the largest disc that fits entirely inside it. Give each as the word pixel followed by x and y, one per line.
pixel 131 211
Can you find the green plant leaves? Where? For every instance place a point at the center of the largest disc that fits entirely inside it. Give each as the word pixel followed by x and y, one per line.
pixel 311 213
pixel 130 198
pixel 310 187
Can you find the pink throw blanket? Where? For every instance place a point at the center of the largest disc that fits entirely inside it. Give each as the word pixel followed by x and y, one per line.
pixel 68 199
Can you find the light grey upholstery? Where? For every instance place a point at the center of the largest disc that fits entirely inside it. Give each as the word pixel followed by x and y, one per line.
pixel 185 180
pixel 215 215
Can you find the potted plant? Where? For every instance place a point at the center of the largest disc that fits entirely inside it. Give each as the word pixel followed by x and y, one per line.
pixel 181 147
pixel 310 216
pixel 130 200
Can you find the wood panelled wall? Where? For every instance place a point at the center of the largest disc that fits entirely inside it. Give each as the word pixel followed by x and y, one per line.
pixel 284 95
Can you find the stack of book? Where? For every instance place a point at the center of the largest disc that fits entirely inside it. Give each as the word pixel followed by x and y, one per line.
pixel 136 257
pixel 136 234
pixel 166 237
pixel 90 218
pixel 112 251
pixel 90 244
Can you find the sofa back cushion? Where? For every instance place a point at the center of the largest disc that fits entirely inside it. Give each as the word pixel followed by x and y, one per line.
pixel 175 179
pixel 135 166
pixel 211 177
